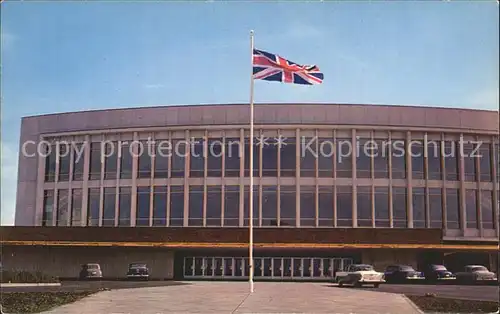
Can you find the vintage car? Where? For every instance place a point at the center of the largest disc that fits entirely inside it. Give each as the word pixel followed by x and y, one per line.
pixel 90 271
pixel 138 271
pixel 358 275
pixel 402 273
pixel 435 272
pixel 475 273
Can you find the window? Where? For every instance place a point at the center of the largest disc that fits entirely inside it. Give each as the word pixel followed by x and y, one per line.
pixel 214 204
pixel 143 202
pixel 418 203
pixel 381 156
pixel 197 160
pixel 93 209
pixel 344 206
pixel 308 206
pixel 364 206
pixel 269 206
pixel 76 207
pixel 470 161
pixel 214 157
pixel 64 161
pixel 471 209
pixel 176 205
pixel 417 159
pixel 382 218
pixel 270 160
pixel 144 153
pixel 436 207
pixel 325 206
pixel 487 209
pixel 344 158
pixel 108 215
pixel 246 206
pixel 48 207
pixel 485 162
pixel 163 151
pixel 232 205
pixel 196 205
pixel 364 152
pixel 125 204
pixel 452 209
pixel 256 159
pixel 160 206
pixel 288 157
pixel 399 207
pixel 78 161
pixel 110 162
pixel 178 158
pixel 399 159
pixel 95 161
pixel 434 160
pixel 232 158
pixel 287 205
pixel 62 208
pixel 308 152
pixel 126 159
pixel 450 153
pixel 326 157
pixel 50 163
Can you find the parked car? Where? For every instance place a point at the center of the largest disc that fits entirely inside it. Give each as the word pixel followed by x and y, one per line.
pixel 435 272
pixel 90 271
pixel 401 273
pixel 475 273
pixel 138 271
pixel 358 275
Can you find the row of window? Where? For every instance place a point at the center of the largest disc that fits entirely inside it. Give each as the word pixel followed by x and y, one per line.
pixel 321 209
pixel 329 161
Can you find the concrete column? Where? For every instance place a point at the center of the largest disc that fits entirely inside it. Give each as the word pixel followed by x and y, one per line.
pixel 205 174
pixel 335 179
pixel 186 178
pixel 443 184
pixel 169 175
pixel 391 207
pixel 278 205
pixel 101 184
pixel 241 151
pixel 152 155
pixel 372 179
pixel 426 177
pixel 260 181
pixel 118 170
pixel 86 170
pixel 69 217
pixel 478 195
pixel 297 177
pixel 316 181
pixel 463 203
pixel 354 181
pixel 495 164
pixel 135 168
pixel 409 186
pixel 39 202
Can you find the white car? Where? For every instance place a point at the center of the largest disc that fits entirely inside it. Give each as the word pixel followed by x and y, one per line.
pixel 358 275
pixel 475 273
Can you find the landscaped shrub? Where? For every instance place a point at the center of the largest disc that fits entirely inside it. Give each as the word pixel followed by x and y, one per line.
pixel 26 277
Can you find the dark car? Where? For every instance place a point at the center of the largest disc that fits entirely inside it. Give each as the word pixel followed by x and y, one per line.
pixel 437 272
pixel 90 271
pixel 138 271
pixel 401 273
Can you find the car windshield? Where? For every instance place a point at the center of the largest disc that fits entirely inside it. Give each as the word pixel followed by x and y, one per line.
pixel 93 266
pixel 407 268
pixel 438 267
pixel 478 268
pixel 137 266
pixel 362 268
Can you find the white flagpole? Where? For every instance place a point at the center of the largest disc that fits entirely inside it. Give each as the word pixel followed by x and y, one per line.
pixel 250 202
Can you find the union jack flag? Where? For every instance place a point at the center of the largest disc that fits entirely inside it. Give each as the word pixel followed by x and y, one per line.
pixel 272 67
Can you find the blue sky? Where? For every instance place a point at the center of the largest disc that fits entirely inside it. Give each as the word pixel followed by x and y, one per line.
pixel 71 56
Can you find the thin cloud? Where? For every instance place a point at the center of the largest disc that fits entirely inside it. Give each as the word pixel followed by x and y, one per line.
pixel 486 98
pixel 153 86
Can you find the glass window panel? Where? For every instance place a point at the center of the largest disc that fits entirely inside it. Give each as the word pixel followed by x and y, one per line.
pixel 450 153
pixel 436 207
pixel 308 153
pixel 48 207
pixel 108 215
pixel 125 204
pixel 287 205
pixel 160 206
pixel 93 207
pixel 232 157
pixel 288 157
pixel 382 207
pixel 232 205
pixel 270 160
pixel 344 206
pixel 163 150
pixel 144 152
pixel 344 158
pixel 50 163
pixel 64 161
pixel 269 206
pixel 214 157
pixel 95 161
pixel 176 205
pixel 399 196
pixel 110 161
pixel 469 161
pixel 325 206
pixel 434 171
pixel 487 209
pixel 452 208
pixel 214 204
pixel 256 159
pixel 62 207
pixel 143 204
pixel 76 207
pixel 418 203
pixel 399 159
pixel 326 157
pixel 485 162
pixel 471 209
pixel 364 206
pixel 78 161
pixel 196 205
pixel 126 159
pixel 417 159
pixel 308 206
pixel 196 161
pixel 364 153
pixel 381 156
pixel 178 158
pixel 246 206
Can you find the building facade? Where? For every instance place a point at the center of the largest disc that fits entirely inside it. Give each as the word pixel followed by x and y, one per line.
pixel 315 166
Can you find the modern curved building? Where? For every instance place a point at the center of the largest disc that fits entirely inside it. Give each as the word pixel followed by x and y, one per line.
pixel 333 184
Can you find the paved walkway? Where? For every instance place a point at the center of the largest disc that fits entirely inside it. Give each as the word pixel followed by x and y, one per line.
pixel 233 297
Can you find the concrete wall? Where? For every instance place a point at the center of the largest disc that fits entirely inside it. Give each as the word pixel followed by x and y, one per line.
pixel 66 262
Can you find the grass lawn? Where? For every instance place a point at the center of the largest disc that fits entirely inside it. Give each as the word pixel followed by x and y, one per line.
pixel 448 305
pixel 36 302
